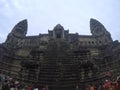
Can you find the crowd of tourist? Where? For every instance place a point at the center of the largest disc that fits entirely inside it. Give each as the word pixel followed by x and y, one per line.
pixel 108 84
pixel 9 83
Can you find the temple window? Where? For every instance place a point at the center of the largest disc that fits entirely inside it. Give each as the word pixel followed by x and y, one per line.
pixel 58 35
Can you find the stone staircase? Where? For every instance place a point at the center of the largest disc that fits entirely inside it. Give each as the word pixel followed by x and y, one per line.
pixel 58 71
pixel 59 67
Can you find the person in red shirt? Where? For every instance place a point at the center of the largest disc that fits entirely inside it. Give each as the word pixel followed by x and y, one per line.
pixel 91 87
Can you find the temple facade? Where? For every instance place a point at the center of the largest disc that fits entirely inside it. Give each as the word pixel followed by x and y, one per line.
pixel 60 59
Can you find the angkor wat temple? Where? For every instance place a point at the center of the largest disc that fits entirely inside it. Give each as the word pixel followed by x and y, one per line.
pixel 60 59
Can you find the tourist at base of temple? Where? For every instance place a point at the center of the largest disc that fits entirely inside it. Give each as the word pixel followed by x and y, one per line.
pixel 91 87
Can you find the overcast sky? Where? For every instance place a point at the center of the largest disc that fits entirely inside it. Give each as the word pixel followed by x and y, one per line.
pixel 71 14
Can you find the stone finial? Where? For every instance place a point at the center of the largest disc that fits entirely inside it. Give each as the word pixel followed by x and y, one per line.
pixel 20 28
pixel 58 27
pixel 94 23
pixel 97 28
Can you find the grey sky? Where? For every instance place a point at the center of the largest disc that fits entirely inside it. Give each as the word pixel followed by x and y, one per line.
pixel 72 14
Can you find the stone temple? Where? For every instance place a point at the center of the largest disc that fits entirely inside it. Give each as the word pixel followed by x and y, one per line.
pixel 60 59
